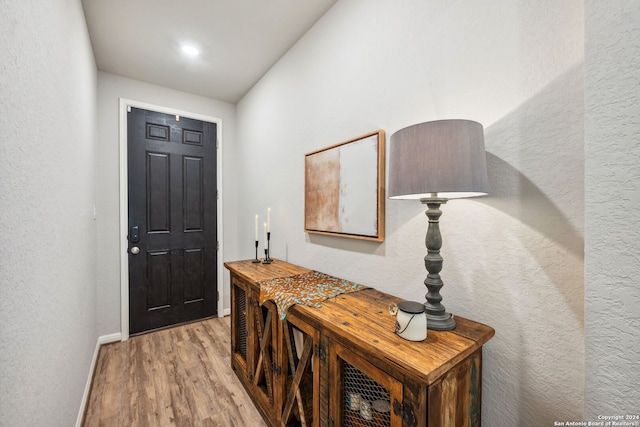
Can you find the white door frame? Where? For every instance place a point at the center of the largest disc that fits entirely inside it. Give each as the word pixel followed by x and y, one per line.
pixel 125 104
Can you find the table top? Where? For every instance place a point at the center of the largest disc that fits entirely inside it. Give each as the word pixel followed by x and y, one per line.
pixel 362 319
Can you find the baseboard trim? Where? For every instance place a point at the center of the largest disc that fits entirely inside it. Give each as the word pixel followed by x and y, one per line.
pixel 102 340
pixel 108 339
pixel 226 312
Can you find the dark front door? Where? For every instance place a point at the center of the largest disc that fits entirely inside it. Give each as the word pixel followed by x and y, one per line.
pixel 172 219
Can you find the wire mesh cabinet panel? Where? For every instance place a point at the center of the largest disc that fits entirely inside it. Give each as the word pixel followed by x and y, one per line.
pixel 363 395
pixel 254 345
pixel 239 326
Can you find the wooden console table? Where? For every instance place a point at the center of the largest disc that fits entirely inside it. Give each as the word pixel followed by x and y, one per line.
pixel 343 365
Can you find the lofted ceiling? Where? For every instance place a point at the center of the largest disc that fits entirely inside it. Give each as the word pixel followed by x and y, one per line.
pixel 239 40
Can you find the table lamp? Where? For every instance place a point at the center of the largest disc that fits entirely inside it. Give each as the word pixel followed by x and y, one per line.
pixel 434 162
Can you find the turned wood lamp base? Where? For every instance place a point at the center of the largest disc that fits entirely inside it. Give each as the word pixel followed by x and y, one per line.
pixel 437 318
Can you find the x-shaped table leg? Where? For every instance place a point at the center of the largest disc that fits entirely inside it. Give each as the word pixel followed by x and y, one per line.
pixel 264 360
pixel 298 371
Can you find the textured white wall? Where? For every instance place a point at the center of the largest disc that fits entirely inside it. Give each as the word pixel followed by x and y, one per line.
pixel 612 214
pixel 47 255
pixel 110 89
pixel 513 260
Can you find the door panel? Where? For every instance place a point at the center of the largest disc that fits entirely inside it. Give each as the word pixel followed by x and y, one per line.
pixel 193 194
pixel 172 201
pixel 158 195
pixel 194 275
pixel 159 274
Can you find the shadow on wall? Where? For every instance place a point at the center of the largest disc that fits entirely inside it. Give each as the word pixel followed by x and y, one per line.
pixel 535 161
pixel 545 132
pixel 516 195
pixel 545 137
pixel 347 244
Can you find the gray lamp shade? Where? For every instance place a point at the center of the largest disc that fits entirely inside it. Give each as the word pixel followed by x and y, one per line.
pixel 446 157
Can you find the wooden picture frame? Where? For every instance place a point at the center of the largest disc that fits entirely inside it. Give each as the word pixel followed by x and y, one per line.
pixel 344 188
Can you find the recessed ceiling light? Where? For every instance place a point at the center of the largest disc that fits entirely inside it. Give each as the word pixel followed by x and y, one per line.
pixel 190 50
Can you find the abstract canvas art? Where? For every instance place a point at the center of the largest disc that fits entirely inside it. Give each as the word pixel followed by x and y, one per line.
pixel 344 188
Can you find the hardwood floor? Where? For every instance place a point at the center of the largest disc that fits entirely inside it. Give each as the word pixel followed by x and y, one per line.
pixel 174 377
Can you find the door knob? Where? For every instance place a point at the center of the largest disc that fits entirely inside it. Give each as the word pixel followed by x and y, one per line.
pixel 135 250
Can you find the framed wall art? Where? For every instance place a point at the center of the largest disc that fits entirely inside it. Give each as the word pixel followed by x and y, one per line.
pixel 344 188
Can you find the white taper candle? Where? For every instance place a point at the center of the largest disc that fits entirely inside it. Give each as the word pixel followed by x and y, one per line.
pixel 265 235
pixel 268 219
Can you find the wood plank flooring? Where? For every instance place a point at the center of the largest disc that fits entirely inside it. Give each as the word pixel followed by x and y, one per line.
pixel 174 377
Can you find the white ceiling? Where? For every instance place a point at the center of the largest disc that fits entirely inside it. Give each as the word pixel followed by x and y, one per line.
pixel 239 40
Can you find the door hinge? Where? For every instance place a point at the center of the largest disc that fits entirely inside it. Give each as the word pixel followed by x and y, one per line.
pixel 405 412
pixel 320 352
pixel 217 143
pixel 217 246
pixel 217 194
